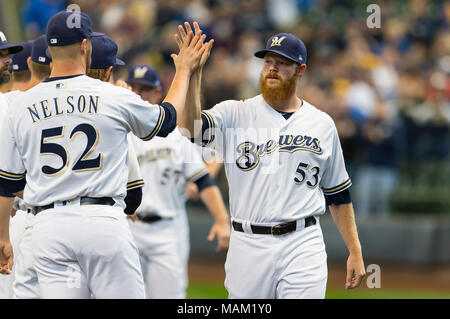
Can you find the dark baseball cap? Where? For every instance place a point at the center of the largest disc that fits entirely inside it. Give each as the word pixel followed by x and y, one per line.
pixel 143 74
pixel 19 60
pixel 104 53
pixel 69 27
pixel 287 45
pixel 12 48
pixel 39 51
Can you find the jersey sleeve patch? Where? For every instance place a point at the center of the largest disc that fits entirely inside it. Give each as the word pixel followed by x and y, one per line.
pixel 338 188
pixel 135 184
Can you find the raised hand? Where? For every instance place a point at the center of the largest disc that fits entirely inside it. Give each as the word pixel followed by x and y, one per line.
pixel 184 33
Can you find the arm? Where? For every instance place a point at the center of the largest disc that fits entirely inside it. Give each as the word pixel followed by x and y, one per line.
pixel 6 253
pixel 212 198
pixel 187 60
pixel 344 219
pixel 193 100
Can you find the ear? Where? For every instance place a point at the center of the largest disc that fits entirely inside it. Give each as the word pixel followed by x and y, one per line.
pixel 302 69
pixel 29 63
pixel 108 74
pixel 84 46
pixel 51 65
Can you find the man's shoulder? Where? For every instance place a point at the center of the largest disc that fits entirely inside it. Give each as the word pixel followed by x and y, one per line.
pixel 318 114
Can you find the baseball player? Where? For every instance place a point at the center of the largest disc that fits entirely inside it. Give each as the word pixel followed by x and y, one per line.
pixel 161 229
pixel 20 80
pixel 67 138
pixel 104 58
pixel 284 164
pixel 5 198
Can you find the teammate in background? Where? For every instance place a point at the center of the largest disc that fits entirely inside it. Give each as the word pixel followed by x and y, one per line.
pixel 21 75
pixel 25 285
pixel 282 158
pixel 5 198
pixel 5 62
pixel 161 228
pixel 104 59
pixel 20 79
pixel 67 136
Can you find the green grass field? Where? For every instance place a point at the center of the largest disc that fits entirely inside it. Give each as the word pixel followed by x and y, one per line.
pixel 197 290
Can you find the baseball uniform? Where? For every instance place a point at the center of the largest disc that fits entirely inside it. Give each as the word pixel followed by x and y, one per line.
pixel 162 230
pixel 67 138
pixel 279 167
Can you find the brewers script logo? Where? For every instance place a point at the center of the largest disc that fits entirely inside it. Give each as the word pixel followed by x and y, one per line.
pixel 250 153
pixel 277 41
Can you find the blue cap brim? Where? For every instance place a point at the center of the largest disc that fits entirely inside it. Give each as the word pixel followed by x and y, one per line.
pixel 12 49
pixel 119 62
pixel 260 54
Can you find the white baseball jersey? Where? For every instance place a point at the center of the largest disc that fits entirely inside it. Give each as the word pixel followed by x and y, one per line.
pixel 55 137
pixel 167 164
pixel 277 169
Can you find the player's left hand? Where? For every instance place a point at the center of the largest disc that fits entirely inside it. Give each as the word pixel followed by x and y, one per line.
pixel 6 257
pixel 355 271
pixel 222 230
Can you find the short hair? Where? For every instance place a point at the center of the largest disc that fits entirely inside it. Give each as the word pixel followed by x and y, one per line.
pixel 21 76
pixel 41 71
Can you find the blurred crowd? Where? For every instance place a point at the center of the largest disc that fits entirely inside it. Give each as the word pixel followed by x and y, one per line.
pixel 387 88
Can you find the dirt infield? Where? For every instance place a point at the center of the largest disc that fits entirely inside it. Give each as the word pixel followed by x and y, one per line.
pixel 395 277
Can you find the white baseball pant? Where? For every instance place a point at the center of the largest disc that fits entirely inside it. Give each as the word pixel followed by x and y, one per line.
pixel 84 251
pixel 292 266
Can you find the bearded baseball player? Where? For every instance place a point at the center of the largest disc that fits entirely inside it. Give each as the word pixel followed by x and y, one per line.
pixel 161 229
pixel 66 138
pixel 5 198
pixel 25 285
pixel 284 164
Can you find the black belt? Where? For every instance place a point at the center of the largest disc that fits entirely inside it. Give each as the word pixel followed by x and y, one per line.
pixel 149 218
pixel 276 230
pixel 83 201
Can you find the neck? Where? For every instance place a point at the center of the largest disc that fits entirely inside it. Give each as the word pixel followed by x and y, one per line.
pixel 291 104
pixel 20 86
pixel 34 81
pixel 67 68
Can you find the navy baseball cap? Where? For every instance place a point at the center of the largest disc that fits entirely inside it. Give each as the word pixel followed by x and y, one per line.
pixel 104 53
pixel 143 74
pixel 39 51
pixel 12 48
pixel 69 27
pixel 19 60
pixel 287 45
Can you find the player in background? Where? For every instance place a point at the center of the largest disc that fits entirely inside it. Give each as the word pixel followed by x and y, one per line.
pixel 104 59
pixel 25 285
pixel 21 75
pixel 5 198
pixel 282 155
pixel 76 185
pixel 20 78
pixel 161 228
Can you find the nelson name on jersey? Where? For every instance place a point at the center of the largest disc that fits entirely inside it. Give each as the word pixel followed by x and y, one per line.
pixel 45 109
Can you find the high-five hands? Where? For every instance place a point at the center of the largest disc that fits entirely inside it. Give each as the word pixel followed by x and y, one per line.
pixel 187 36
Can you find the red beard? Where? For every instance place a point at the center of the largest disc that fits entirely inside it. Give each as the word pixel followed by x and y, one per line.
pixel 282 92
